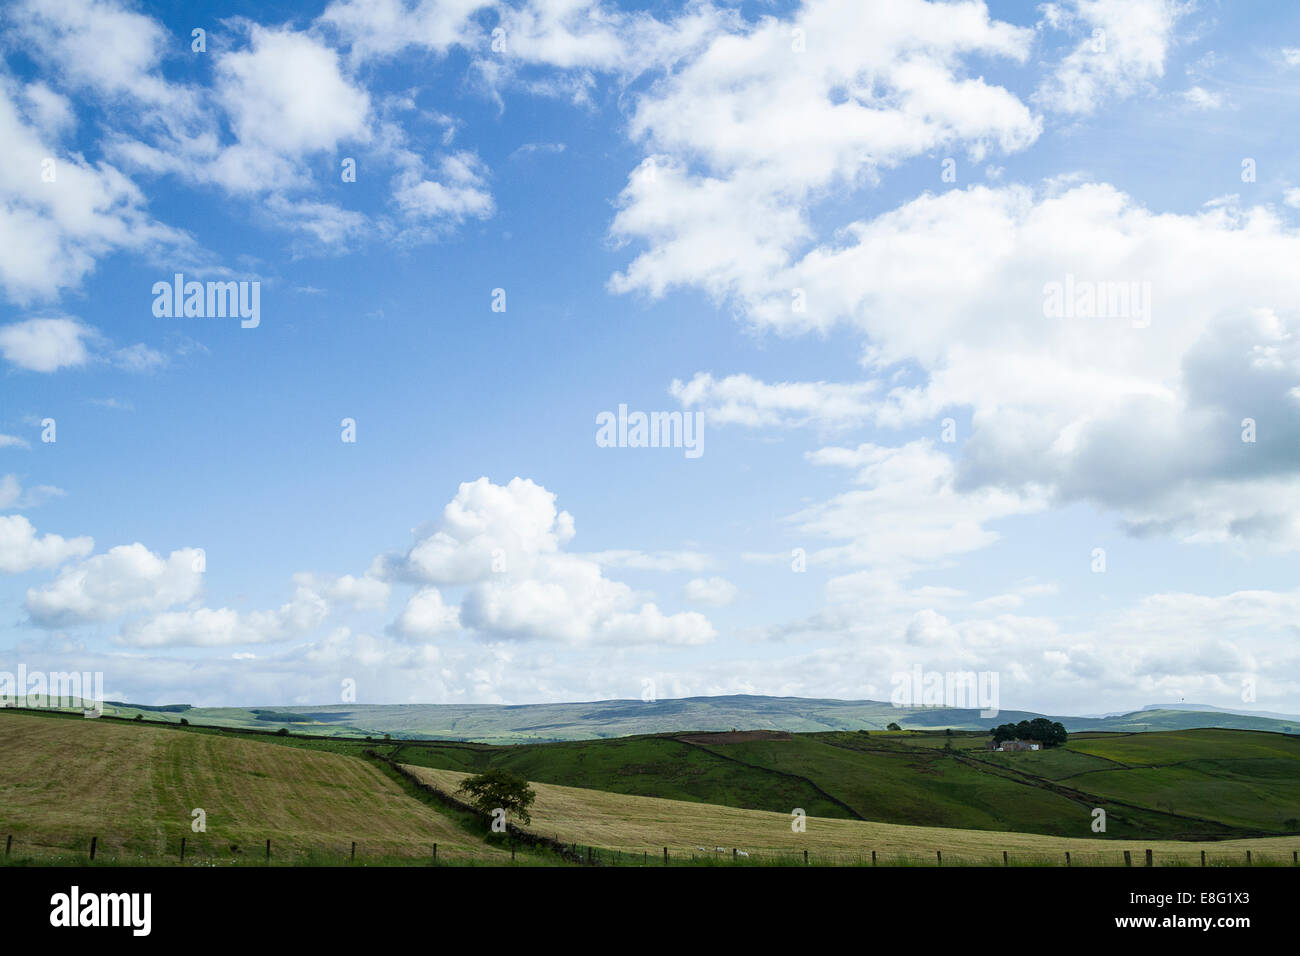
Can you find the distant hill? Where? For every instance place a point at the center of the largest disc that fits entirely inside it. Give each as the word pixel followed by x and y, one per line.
pixel 491 723
pixel 1291 718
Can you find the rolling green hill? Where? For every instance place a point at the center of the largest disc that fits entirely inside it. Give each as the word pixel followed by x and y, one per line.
pixel 638 828
pixel 1200 784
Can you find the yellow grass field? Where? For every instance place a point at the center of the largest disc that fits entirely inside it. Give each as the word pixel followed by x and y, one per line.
pixel 639 825
pixel 134 787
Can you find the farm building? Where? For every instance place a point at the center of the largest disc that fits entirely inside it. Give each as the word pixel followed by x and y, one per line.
pixel 1013 745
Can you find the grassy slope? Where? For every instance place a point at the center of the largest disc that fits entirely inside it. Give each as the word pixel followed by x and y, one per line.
pixel 1242 778
pixel 62 781
pixel 656 766
pixel 645 825
pixel 920 786
pixel 908 778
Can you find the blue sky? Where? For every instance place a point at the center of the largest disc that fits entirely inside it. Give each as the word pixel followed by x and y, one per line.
pixel 654 187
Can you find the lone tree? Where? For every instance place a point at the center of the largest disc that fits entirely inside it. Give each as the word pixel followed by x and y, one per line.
pixel 499 789
pixel 893 727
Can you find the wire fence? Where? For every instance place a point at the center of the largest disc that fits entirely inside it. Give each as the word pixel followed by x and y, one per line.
pixel 20 849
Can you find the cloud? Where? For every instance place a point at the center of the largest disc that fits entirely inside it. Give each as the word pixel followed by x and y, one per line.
pixel 381 28
pixel 572 39
pixel 486 526
pixel 276 103
pixel 49 344
pixel 504 544
pixel 326 225
pixel 1123 51
pixel 206 627
pixel 1139 409
pixel 781 113
pixel 649 625
pixel 21 549
pixel 501 543
pixel 1202 99
pixel 285 95
pixel 1169 646
pixel 60 213
pixel 117 404
pixel 426 616
pixel 99 46
pixel 312 603
pixel 567 599
pixel 12 494
pixel 45 345
pixel 744 400
pixel 138 358
pixel 584 36
pixel 715 592
pixel 531 149
pixel 654 560
pixel 126 579
pixel 366 591
pixel 908 512
pixel 460 192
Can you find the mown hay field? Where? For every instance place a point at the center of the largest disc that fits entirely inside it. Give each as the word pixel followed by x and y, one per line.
pixel 63 781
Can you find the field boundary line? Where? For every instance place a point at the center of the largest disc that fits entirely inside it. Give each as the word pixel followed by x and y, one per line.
pixel 782 773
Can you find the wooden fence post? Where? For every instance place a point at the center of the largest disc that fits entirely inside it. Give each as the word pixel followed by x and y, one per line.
pixel 939 855
pixel 1004 857
pixel 182 849
pixel 873 857
pixel 1067 857
pixel 1127 860
pixel 435 853
pixel 665 856
pixel 805 857
pixel 1202 858
pixel 268 849
pixel 1248 858
pixel 1148 863
pixel 733 852
pixel 93 840
pixel 354 851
